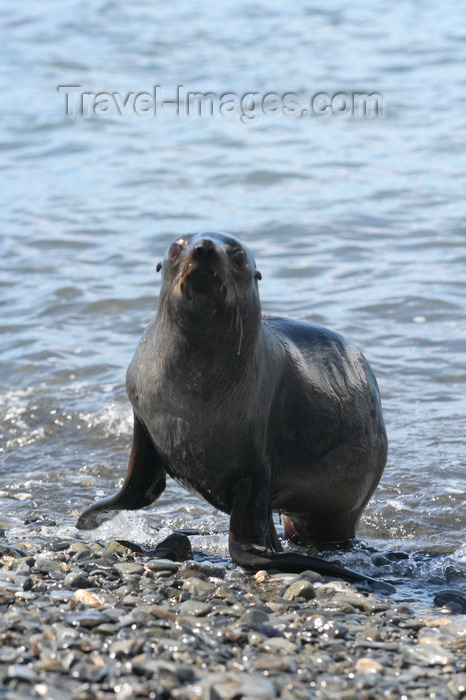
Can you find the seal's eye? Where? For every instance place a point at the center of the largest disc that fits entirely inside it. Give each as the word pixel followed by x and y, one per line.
pixel 175 250
pixel 238 256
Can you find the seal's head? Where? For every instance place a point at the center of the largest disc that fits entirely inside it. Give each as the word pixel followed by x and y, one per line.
pixel 209 271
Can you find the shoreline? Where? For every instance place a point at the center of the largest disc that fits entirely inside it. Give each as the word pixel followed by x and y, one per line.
pixel 101 621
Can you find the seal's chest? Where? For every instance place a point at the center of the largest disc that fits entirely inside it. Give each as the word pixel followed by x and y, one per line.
pixel 201 458
pixel 193 443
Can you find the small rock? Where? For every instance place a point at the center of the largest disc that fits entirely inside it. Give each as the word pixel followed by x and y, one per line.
pixel 201 569
pixel 451 599
pixel 279 645
pixel 84 553
pixel 148 666
pixel 330 629
pixel 86 618
pixel 229 686
pixel 76 580
pixel 427 654
pixel 367 603
pixel 300 589
pixel 46 565
pixel 253 616
pixel 22 496
pixel 116 547
pixel 262 576
pixel 195 607
pixel 365 665
pixel 120 649
pixel 131 546
pixel 22 673
pixel 61 595
pixel 380 560
pixel 77 546
pixel 59 545
pixel 458 685
pixel 435 621
pixel 86 597
pixel 162 565
pixel 176 547
pixel 198 587
pixel 128 568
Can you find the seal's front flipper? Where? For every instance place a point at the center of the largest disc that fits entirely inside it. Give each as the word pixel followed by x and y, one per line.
pixel 253 558
pixel 145 481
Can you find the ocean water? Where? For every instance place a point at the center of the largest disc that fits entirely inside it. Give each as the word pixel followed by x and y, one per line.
pixel 357 223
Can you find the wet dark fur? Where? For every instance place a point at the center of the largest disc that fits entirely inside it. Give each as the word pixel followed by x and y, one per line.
pixel 255 414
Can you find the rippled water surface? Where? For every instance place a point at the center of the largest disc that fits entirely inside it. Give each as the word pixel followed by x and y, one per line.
pixel 356 224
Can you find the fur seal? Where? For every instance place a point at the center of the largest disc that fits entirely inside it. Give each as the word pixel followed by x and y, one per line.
pixel 256 414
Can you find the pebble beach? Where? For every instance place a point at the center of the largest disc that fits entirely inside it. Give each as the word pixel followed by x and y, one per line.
pixel 107 620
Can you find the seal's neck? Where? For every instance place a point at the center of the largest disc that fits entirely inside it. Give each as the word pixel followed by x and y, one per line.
pixel 211 349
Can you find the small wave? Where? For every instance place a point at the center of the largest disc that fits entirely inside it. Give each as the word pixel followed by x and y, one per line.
pixel 114 418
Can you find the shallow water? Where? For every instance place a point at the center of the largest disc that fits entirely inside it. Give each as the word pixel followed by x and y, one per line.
pixel 356 224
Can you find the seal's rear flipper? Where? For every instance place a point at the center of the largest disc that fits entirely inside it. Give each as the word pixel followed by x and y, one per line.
pixel 145 481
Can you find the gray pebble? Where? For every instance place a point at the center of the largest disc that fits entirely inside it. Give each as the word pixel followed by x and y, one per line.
pixel 253 616
pixel 45 564
pixel 229 686
pixel 76 580
pixel 197 586
pixel 300 589
pixel 152 628
pixel 86 618
pixel 22 673
pixel 279 645
pixel 129 569
pixel 427 654
pixel 162 565
pixel 195 607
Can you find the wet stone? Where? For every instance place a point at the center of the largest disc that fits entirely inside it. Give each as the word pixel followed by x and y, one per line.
pixel 116 547
pixel 325 627
pixel 176 547
pixel 59 545
pixel 75 579
pixel 457 685
pixel 198 587
pixel 130 569
pixel 24 566
pixel 279 645
pixel 131 546
pixel 86 618
pixel 427 654
pixel 360 601
pixel 145 664
pixel 195 607
pixel 45 564
pixel 162 565
pixel 227 686
pixel 22 673
pixel 82 554
pixel 61 595
pixel 179 631
pixel 300 589
pixel 366 665
pixel 122 649
pixel 203 569
pixel 253 616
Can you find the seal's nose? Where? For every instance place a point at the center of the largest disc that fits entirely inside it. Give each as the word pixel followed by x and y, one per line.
pixel 204 249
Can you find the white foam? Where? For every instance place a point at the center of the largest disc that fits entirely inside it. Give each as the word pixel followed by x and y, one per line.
pixel 114 418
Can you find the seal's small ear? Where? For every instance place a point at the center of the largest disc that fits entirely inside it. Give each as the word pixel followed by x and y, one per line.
pixel 257 275
pixel 159 267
